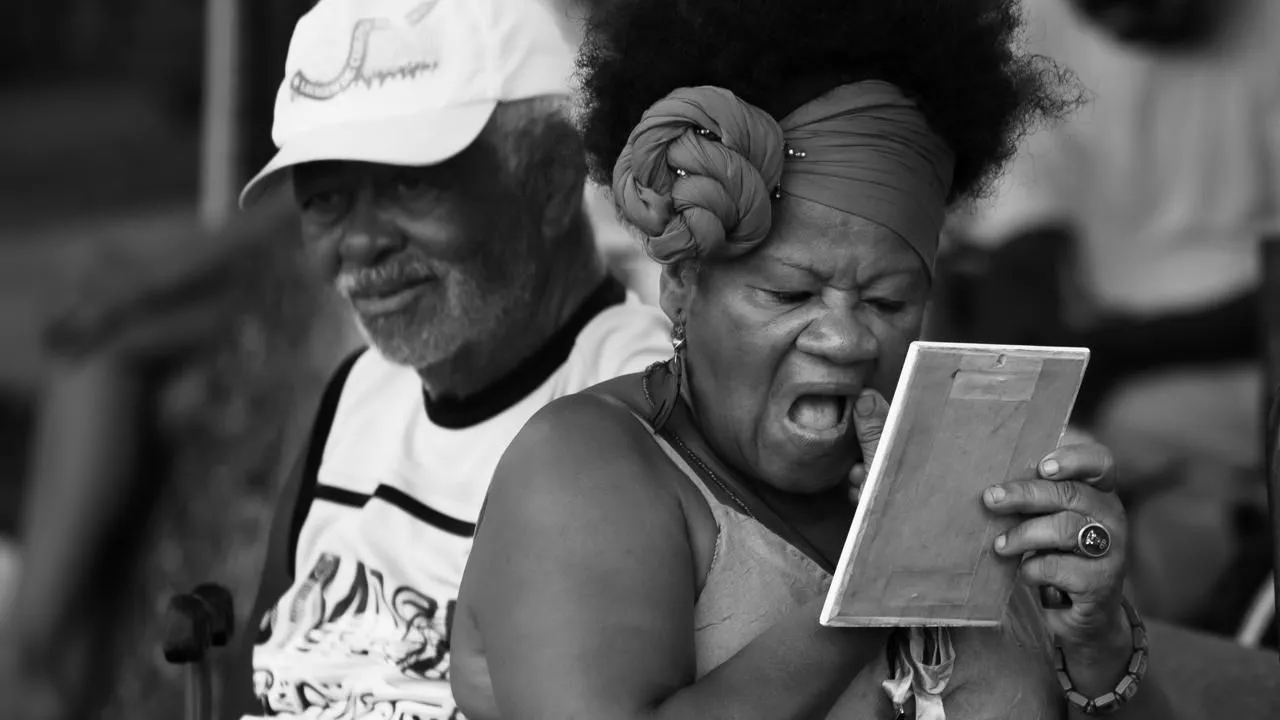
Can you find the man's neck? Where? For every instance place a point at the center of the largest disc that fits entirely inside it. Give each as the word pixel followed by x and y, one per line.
pixel 474 368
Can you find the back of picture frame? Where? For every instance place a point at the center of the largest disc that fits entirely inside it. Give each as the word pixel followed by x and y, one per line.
pixel 963 417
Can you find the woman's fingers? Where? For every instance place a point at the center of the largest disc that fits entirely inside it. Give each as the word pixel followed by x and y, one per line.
pixel 1055 533
pixel 1042 497
pixel 870 410
pixel 1058 511
pixel 857 477
pixel 1084 580
pixel 1089 463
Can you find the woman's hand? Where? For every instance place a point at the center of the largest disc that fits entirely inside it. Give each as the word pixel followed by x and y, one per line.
pixel 870 411
pixel 145 299
pixel 1076 487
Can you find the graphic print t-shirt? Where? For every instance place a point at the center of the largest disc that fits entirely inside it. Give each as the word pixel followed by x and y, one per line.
pixel 363 632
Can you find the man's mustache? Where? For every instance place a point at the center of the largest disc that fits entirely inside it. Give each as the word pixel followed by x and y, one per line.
pixel 383 279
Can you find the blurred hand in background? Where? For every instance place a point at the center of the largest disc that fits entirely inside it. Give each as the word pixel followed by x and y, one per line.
pixel 148 301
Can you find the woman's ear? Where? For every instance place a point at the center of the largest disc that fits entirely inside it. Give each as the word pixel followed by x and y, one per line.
pixel 676 288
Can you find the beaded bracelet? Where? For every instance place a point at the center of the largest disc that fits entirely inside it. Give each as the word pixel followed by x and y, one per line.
pixel 1109 702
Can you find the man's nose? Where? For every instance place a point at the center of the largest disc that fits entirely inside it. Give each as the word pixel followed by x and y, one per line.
pixel 840 336
pixel 368 235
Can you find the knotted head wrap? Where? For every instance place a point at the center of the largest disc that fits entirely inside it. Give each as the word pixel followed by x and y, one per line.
pixel 699 172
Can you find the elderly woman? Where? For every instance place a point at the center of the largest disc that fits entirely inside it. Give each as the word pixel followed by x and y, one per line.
pixel 660 546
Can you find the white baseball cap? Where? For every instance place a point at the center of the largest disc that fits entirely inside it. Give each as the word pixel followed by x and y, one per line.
pixel 408 82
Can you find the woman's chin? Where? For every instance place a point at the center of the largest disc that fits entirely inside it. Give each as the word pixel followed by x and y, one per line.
pixel 806 484
pixel 811 468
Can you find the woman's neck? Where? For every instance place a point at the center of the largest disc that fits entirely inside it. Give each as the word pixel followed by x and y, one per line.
pixel 821 520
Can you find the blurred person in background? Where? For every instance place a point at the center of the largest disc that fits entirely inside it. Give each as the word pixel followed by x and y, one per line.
pixel 506 304
pixel 1159 191
pixel 153 456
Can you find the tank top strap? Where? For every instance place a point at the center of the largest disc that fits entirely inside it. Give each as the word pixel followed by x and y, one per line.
pixel 680 456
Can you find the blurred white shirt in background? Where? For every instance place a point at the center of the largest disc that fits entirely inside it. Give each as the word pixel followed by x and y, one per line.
pixel 1169 172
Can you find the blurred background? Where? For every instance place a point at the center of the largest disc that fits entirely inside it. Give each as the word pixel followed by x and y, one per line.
pixel 1140 228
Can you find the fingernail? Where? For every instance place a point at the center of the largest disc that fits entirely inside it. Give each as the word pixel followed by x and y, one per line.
pixel 1049 468
pixel 865 405
pixel 995 495
pixel 1000 541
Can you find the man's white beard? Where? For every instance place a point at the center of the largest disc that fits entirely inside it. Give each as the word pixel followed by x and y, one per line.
pixel 397 348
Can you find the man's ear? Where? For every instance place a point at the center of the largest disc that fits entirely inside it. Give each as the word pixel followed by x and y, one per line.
pixel 560 181
pixel 676 287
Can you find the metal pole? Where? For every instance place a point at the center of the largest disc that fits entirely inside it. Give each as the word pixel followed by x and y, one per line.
pixel 219 175
pixel 220 136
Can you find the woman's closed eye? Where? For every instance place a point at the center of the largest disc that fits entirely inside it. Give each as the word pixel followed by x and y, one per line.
pixel 788 297
pixel 796 297
pixel 886 305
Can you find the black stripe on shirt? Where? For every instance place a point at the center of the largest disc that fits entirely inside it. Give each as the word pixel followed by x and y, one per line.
pixel 435 518
pixel 313 454
pixel 401 500
pixel 341 496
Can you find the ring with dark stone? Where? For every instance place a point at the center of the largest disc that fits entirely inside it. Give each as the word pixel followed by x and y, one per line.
pixel 1093 541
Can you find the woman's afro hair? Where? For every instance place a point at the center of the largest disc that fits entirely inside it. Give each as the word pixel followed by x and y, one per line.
pixel 959 59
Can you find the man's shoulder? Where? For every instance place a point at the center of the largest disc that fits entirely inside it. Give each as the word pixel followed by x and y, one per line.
pixel 371 393
pixel 622 339
pixel 642 322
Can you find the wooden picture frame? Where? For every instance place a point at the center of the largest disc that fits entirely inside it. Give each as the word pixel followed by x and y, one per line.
pixel 963 417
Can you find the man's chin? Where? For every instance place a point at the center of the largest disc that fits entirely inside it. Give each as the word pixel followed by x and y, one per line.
pixel 394 344
pixel 397 354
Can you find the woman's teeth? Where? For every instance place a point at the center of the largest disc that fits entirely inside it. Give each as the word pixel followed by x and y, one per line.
pixel 817 412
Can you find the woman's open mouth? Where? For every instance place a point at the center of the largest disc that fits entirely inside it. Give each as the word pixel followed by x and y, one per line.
pixel 820 417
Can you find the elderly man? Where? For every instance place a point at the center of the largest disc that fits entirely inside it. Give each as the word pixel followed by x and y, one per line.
pixel 441 188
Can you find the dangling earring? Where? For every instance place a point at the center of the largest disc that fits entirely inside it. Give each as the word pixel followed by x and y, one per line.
pixel 675 368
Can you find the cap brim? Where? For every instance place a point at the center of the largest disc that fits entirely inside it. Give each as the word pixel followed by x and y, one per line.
pixel 411 140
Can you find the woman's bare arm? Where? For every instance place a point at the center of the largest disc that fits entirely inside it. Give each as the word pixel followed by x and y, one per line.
pixel 582 584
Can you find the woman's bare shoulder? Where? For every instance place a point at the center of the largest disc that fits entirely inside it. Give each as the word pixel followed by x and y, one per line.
pixel 587 452
pixel 583 546
pixel 583 467
pixel 585 428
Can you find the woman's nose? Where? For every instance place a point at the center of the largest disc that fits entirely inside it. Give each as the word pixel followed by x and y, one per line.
pixel 840 336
